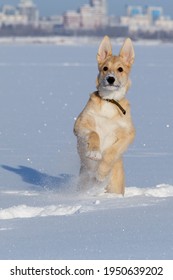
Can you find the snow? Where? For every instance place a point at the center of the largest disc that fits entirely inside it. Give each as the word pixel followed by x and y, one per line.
pixel 42 215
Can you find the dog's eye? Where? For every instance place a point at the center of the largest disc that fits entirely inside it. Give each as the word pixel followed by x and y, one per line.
pixel 105 68
pixel 120 69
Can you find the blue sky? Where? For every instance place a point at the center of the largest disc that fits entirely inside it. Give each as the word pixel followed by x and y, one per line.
pixel 116 7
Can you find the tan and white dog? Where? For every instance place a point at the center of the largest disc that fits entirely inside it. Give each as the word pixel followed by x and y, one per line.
pixel 104 129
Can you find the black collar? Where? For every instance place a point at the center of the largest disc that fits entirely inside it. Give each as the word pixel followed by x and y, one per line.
pixel 112 101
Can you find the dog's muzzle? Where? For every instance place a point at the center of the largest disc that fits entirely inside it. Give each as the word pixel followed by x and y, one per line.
pixel 110 80
pixel 109 83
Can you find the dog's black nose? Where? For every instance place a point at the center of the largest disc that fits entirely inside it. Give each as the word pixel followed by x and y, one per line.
pixel 110 80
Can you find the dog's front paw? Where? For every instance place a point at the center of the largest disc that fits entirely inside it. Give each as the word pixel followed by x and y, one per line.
pixel 94 155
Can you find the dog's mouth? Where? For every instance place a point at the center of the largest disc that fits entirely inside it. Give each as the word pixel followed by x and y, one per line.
pixel 112 87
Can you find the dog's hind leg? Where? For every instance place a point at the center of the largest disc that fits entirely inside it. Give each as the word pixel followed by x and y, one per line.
pixel 86 180
pixel 83 179
pixel 117 180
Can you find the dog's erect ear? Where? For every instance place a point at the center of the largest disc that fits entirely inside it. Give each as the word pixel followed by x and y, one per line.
pixel 127 52
pixel 105 50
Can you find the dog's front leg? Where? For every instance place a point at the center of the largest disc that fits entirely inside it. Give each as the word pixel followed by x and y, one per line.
pixel 112 154
pixel 93 146
pixel 106 164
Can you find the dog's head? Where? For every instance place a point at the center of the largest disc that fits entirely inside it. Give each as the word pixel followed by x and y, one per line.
pixel 113 79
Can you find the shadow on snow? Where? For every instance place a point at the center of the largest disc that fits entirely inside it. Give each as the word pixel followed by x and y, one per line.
pixel 37 178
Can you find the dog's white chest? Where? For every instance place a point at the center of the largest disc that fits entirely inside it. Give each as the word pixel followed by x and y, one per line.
pixel 108 110
pixel 107 122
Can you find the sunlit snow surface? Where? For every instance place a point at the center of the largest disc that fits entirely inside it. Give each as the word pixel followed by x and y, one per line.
pixel 42 215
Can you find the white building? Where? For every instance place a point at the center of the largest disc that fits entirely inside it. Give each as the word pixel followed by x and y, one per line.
pixel 165 24
pixel 28 9
pixel 90 16
pixel 72 20
pixel 9 15
pixel 87 17
pixel 139 22
pixel 149 19
pixel 100 12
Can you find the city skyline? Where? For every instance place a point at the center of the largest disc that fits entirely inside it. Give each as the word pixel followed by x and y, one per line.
pixel 92 19
pixel 114 6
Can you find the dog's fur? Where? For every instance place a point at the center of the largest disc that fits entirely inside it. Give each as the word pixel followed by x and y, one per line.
pixel 103 131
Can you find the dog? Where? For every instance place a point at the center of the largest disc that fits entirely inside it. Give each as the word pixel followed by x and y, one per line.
pixel 104 128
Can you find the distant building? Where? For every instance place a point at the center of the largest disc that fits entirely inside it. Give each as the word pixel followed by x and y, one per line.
pixel 28 9
pixel 133 11
pixel 90 19
pixel 8 10
pixel 49 24
pixel 150 19
pixel 100 12
pixel 154 13
pixel 10 16
pixel 72 20
pixel 164 24
pixel 87 19
pixel 139 22
pixel 135 19
pixel 90 16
